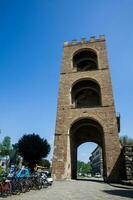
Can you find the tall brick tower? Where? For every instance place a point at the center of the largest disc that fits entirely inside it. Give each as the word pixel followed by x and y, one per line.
pixel 86 111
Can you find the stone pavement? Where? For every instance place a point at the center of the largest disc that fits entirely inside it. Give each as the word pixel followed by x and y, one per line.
pixel 78 190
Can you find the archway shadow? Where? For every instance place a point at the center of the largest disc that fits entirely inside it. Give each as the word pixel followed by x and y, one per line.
pixel 120 186
pixel 120 192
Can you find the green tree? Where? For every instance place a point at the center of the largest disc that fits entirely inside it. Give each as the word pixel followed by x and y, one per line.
pixel 84 168
pixel 14 154
pixel 1 170
pixel 5 149
pixel 5 146
pixel 125 140
pixel 44 163
pixel 32 148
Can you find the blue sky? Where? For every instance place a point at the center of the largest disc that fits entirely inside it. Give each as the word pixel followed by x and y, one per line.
pixel 31 38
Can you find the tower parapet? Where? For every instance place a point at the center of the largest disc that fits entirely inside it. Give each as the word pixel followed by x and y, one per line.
pixel 84 40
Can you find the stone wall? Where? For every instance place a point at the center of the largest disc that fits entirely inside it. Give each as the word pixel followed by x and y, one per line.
pixel 68 115
pixel 128 158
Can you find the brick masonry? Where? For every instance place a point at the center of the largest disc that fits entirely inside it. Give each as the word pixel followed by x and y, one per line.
pixel 67 114
pixel 128 159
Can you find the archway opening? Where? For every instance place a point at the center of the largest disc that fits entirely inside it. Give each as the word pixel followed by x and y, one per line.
pixel 82 131
pixel 86 94
pixel 89 162
pixel 85 60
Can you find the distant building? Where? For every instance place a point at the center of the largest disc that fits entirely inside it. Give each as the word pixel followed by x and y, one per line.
pixel 96 161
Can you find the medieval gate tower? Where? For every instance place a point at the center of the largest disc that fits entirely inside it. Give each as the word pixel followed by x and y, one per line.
pixel 86 111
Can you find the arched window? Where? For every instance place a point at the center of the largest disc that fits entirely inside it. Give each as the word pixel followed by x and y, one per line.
pixel 85 60
pixel 86 93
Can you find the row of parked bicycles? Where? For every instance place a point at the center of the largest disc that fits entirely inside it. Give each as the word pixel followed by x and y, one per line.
pixel 22 181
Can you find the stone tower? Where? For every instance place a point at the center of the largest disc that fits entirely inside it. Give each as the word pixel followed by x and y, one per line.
pixel 86 111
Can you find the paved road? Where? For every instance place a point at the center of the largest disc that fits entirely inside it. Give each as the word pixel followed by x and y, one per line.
pixel 78 190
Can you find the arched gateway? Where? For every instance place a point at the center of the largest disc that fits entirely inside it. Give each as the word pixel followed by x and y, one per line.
pixel 81 131
pixel 86 110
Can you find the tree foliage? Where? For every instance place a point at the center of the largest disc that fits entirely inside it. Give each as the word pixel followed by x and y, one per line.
pixel 32 148
pixel 44 163
pixel 5 146
pixel 84 168
pixel 125 140
pixel 1 170
pixel 14 154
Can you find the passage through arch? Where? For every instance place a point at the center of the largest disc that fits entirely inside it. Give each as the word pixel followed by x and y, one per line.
pixel 89 161
pixel 85 130
pixel 85 94
pixel 85 60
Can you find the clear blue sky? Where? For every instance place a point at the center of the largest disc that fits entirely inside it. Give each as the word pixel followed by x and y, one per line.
pixel 31 38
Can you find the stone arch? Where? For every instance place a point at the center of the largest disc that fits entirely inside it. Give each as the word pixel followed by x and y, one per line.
pixel 86 93
pixel 85 59
pixel 85 130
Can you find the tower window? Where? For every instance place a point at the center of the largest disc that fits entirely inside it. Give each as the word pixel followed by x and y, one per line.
pixel 86 93
pixel 85 60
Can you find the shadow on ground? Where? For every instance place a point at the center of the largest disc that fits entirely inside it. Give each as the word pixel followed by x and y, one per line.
pixel 121 193
pixel 121 186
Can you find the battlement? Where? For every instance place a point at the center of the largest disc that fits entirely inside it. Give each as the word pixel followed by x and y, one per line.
pixel 84 40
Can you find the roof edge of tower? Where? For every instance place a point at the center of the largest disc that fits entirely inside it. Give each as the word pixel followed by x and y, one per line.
pixel 84 40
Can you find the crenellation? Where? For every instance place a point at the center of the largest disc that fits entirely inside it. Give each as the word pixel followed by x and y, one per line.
pixel 102 37
pixel 74 41
pixel 66 43
pixel 92 39
pixel 84 40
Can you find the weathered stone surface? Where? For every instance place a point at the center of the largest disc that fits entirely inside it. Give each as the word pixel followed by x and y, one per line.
pixel 103 116
pixel 128 157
